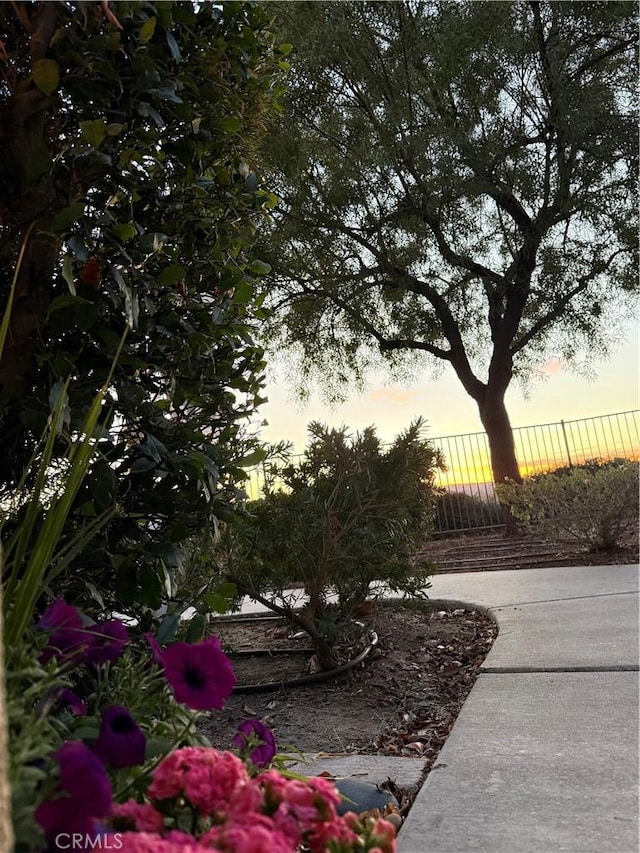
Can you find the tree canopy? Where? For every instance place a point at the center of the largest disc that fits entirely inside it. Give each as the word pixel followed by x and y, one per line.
pixel 457 182
pixel 129 195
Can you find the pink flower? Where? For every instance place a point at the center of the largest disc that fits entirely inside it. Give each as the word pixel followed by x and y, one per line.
pixel 207 778
pixel 121 742
pixel 156 649
pixel 328 796
pixel 298 808
pixel 336 831
pixel 141 817
pixel 177 836
pixel 300 800
pixel 200 674
pixel 247 800
pixel 383 834
pixel 67 638
pixel 147 842
pixel 257 836
pixel 273 785
pixel 68 699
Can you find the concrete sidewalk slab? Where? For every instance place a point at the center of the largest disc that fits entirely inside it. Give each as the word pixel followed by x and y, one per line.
pixel 527 586
pixel 601 631
pixel 536 763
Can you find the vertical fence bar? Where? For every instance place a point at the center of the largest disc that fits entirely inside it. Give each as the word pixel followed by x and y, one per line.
pixel 566 444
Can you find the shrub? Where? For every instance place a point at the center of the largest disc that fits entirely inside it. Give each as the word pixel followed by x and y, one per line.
pixel 349 513
pixel 457 511
pixel 134 199
pixel 596 504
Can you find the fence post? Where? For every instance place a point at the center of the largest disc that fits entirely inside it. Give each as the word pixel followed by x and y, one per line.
pixel 566 443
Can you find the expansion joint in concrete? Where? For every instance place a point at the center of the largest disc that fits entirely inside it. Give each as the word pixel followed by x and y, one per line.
pixel 522 670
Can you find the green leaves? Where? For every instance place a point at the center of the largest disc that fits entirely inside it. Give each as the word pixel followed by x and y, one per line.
pixel 252 459
pixel 32 548
pixel 345 514
pixel 142 183
pixel 259 268
pixel 168 628
pixel 63 220
pixel 147 30
pixel 173 47
pixel 94 131
pixel 46 75
pixel 230 124
pixel 124 230
pixel 402 158
pixel 171 275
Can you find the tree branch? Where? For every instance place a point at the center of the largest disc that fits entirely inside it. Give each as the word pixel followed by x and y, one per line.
pixel 458 260
pixel 561 305
pixel 620 47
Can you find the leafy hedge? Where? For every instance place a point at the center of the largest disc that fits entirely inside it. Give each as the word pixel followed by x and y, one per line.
pixel 595 504
pixel 351 512
pixel 130 196
pixel 458 511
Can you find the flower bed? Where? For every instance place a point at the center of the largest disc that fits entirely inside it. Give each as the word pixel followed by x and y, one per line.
pixel 128 768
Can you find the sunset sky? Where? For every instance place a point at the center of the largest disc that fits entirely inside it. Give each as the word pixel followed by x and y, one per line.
pixel 446 406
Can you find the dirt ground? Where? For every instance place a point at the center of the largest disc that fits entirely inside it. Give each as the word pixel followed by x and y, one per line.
pixel 401 700
pixel 405 696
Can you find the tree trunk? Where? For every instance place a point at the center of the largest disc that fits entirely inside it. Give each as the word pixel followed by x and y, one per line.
pixel 24 129
pixel 504 464
pixel 495 420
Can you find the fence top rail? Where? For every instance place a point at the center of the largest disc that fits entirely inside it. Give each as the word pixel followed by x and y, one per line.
pixel 537 426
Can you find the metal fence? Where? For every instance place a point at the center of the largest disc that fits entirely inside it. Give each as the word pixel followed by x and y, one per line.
pixel 469 501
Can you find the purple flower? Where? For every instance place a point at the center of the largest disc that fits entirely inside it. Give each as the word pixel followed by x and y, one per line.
pixel 85 789
pixel 156 650
pixel 200 674
pixel 107 639
pixel 255 738
pixel 120 743
pixel 68 699
pixel 67 635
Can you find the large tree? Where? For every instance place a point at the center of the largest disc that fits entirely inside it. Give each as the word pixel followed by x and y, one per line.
pixel 128 140
pixel 457 181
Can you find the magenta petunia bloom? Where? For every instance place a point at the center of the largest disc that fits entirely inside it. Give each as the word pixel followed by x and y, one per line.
pixel 200 674
pixel 85 789
pixel 255 739
pixel 121 743
pixel 67 635
pixel 107 640
pixel 69 699
pixel 156 650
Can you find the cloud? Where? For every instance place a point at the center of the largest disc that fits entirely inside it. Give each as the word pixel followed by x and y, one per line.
pixel 392 395
pixel 554 365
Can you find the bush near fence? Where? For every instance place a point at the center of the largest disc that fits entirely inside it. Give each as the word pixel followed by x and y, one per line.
pixel 595 504
pixel 456 511
pixel 470 502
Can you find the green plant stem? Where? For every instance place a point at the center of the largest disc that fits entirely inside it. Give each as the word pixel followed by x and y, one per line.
pixel 25 591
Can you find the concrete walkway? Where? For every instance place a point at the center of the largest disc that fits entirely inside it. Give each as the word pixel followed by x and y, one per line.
pixel 544 755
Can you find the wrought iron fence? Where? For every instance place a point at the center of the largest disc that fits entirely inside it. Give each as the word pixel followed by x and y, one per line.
pixel 469 501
